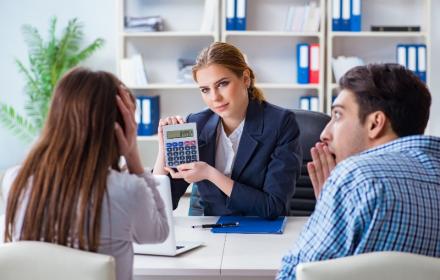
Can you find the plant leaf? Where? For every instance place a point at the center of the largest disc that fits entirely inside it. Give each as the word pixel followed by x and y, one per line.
pixel 20 126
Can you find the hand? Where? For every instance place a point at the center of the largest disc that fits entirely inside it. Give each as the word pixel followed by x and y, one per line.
pixel 321 166
pixel 191 172
pixel 160 160
pixel 127 137
pixel 167 121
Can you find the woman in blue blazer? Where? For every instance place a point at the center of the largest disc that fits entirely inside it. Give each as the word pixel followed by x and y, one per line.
pixel 250 157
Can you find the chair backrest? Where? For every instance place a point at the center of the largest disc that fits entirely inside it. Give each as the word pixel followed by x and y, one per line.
pixel 35 260
pixel 310 125
pixel 377 265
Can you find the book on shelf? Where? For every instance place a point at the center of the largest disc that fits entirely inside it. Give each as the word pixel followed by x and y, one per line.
pixel 413 57
pixel 236 13
pixel 147 115
pixel 303 67
pixel 309 102
pixel 347 15
pixel 305 18
pixel 308 63
pixel 132 71
pixel 342 64
pixel 209 16
pixel 314 64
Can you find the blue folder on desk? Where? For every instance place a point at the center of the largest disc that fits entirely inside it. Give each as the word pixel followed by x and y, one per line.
pixel 251 225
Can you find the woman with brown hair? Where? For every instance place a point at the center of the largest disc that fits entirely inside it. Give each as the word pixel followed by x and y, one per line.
pixel 249 152
pixel 70 189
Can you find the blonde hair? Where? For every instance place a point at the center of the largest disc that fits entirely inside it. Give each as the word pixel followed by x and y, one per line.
pixel 230 57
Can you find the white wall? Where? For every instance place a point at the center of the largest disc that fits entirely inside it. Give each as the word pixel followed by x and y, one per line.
pixel 99 18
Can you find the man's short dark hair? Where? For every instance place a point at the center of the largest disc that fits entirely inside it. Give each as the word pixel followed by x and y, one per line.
pixel 394 90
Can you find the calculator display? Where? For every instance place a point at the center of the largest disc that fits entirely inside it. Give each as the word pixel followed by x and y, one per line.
pixel 180 133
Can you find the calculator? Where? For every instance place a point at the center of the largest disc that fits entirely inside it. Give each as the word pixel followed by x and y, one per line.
pixel 181 146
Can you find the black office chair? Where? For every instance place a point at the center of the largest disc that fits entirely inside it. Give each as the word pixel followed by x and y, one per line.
pixel 310 125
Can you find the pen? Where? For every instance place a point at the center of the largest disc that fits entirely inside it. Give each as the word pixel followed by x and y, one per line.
pixel 233 224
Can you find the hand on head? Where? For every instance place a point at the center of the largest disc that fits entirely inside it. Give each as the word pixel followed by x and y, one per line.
pixel 127 137
pixel 323 162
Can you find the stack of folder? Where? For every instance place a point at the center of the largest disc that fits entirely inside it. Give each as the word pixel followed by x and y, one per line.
pixel 307 63
pixel 413 57
pixel 346 15
pixel 235 15
pixel 309 103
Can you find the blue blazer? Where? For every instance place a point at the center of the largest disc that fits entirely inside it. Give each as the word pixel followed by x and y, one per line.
pixel 266 166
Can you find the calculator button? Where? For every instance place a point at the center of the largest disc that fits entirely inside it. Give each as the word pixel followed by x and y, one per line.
pixel 169 149
pixel 188 158
pixel 169 145
pixel 194 157
pixel 176 154
pixel 192 142
pixel 176 163
pixel 193 152
pixel 181 148
pixel 180 144
pixel 188 153
pixel 174 144
pixel 193 147
pixel 170 163
pixel 187 148
pixel 182 158
pixel 175 149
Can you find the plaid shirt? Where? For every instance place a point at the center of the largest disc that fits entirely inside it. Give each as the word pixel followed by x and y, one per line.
pixel 384 199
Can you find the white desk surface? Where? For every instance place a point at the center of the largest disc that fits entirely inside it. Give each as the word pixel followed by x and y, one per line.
pixel 225 256
pixel 259 255
pixel 204 262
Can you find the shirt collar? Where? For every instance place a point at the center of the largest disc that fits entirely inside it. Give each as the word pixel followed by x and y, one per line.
pixel 419 142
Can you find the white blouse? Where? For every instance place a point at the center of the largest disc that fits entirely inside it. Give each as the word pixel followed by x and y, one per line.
pixel 227 148
pixel 133 211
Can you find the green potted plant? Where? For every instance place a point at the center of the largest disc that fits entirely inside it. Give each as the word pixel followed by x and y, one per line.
pixel 48 61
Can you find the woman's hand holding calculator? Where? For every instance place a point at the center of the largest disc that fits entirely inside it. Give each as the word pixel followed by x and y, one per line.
pixel 160 161
pixel 191 172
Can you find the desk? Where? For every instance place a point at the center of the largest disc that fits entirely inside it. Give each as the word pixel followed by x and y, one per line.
pixel 224 256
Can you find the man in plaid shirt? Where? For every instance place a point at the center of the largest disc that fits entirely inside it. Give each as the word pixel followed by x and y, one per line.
pixel 384 193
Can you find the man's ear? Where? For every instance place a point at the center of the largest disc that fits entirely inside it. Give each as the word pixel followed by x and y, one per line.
pixel 377 123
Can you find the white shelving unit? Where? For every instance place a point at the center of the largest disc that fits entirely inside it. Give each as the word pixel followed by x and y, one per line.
pixel 378 46
pixel 271 52
pixel 160 51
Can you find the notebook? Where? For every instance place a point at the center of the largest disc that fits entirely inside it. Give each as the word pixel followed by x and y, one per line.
pixel 251 225
pixel 170 247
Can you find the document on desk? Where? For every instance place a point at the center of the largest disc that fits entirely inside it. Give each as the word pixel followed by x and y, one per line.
pixel 251 225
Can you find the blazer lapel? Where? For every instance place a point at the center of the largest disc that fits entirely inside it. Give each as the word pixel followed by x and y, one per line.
pixel 207 140
pixel 253 126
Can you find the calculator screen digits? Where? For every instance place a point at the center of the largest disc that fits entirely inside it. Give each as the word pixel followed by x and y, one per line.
pixel 180 133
